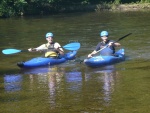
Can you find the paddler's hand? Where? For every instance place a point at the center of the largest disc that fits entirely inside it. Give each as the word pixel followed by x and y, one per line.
pixel 110 43
pixel 59 50
pixel 31 49
pixel 90 55
pixel 56 50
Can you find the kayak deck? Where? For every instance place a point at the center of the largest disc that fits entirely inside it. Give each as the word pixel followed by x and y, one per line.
pixel 43 61
pixel 99 61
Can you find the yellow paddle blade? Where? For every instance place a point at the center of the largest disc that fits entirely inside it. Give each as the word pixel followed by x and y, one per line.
pixel 50 54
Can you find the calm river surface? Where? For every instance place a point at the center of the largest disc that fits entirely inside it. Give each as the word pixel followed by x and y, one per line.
pixel 72 87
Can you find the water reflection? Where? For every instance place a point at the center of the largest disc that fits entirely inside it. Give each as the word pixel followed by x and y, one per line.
pixel 108 87
pixel 49 81
pixel 12 83
pixel 54 80
pixel 36 71
pixel 74 80
pixel 107 76
pixel 58 84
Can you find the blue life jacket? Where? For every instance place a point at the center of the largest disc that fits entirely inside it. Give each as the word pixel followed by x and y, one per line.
pixel 106 51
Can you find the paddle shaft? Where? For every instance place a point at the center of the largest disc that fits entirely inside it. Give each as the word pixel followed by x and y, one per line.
pixel 70 46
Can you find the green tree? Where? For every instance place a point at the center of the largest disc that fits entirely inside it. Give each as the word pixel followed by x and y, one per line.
pixel 12 7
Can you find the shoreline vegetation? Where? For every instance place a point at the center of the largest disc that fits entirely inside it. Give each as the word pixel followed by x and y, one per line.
pixel 123 7
pixel 32 8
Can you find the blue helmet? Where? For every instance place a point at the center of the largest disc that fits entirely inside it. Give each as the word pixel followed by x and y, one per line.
pixel 104 33
pixel 49 34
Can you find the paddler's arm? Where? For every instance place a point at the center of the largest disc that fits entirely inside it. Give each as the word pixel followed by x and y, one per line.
pixel 38 49
pixel 95 51
pixel 59 48
pixel 91 54
pixel 116 44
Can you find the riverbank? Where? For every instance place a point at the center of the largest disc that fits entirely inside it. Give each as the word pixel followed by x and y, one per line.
pixel 133 7
pixel 48 9
pixel 123 7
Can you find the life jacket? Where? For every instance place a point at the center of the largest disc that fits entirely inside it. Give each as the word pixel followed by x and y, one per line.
pixel 51 52
pixel 108 50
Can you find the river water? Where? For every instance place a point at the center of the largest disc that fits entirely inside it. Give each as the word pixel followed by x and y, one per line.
pixel 72 87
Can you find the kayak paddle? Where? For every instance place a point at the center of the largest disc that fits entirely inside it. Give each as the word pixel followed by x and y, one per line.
pixel 11 51
pixel 70 46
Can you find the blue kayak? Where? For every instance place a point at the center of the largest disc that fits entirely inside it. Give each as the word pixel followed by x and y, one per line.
pixel 43 61
pixel 99 61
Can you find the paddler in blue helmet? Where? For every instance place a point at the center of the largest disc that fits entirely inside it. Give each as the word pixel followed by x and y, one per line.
pixel 106 47
pixel 51 48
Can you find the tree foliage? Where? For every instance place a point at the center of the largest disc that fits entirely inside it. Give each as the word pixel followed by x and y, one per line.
pixel 26 7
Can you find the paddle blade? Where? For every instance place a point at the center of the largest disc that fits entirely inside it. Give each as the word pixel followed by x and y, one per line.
pixel 123 37
pixel 10 51
pixel 72 46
